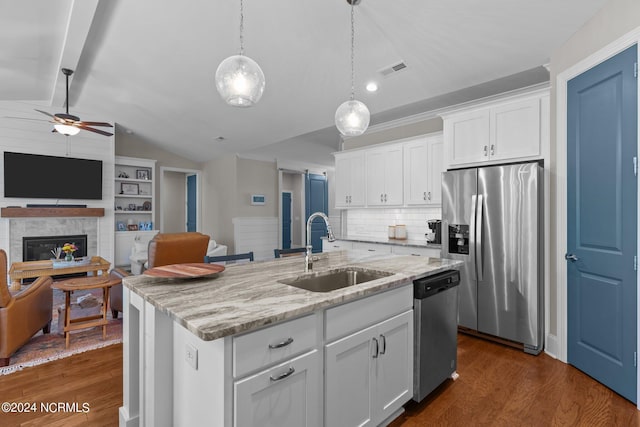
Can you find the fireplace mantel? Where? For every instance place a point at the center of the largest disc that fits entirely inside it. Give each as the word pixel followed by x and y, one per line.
pixel 50 212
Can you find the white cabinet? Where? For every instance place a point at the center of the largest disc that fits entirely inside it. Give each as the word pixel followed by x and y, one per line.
pixel 504 130
pixel 423 167
pixel 369 374
pixel 384 176
pixel 372 247
pixel 286 395
pixel 134 204
pixel 415 251
pixel 467 136
pixel 350 179
pixel 338 245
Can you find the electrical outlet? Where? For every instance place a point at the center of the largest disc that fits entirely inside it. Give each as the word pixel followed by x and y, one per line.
pixel 191 356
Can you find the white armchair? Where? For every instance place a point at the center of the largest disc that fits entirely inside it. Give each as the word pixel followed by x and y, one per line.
pixel 139 254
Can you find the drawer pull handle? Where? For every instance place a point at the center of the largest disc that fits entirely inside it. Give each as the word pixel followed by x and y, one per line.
pixel 283 376
pixel 377 348
pixel 384 344
pixel 281 344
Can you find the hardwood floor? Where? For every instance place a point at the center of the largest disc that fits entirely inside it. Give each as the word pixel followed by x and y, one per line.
pixel 503 386
pixel 94 377
pixel 498 386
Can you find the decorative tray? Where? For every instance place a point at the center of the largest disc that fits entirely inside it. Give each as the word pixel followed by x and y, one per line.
pixel 60 263
pixel 185 271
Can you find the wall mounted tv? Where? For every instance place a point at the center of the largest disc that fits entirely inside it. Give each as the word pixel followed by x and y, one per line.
pixel 48 177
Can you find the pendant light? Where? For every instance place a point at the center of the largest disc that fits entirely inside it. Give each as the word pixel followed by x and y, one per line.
pixel 239 79
pixel 352 116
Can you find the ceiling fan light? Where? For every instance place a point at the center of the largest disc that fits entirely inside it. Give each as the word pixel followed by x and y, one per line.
pixel 352 118
pixel 240 81
pixel 66 129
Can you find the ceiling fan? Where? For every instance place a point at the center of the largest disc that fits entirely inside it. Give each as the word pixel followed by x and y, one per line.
pixel 68 124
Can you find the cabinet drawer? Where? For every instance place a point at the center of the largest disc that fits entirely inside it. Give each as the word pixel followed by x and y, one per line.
pixel 273 344
pixel 409 250
pixel 354 316
pixel 372 247
pixel 338 245
pixel 286 395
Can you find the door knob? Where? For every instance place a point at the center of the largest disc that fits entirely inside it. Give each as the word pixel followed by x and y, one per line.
pixel 571 257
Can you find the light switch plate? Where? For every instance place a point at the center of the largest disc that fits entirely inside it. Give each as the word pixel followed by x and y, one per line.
pixel 191 356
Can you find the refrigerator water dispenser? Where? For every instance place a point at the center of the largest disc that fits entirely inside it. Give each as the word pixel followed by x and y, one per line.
pixel 459 239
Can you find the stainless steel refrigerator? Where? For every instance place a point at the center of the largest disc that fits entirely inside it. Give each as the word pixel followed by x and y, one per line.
pixel 492 219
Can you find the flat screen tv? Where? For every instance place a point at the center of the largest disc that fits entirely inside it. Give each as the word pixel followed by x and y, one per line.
pixel 49 177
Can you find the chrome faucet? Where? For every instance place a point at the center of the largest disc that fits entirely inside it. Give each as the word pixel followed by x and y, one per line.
pixel 308 263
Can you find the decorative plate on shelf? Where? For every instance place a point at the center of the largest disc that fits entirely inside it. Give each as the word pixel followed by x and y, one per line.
pixel 185 271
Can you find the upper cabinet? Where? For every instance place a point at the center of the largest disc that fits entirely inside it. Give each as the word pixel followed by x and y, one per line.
pixel 384 176
pixel 350 175
pixel 423 167
pixel 399 173
pixel 505 130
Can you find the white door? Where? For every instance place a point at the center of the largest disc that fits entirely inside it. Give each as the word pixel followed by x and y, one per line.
pixel 343 181
pixel 348 369
pixel 468 137
pixel 284 396
pixel 394 364
pixel 393 176
pixel 357 180
pixel 416 159
pixel 515 129
pixel 376 166
pixel 435 169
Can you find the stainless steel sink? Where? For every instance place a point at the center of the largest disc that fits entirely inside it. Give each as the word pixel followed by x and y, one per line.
pixel 334 279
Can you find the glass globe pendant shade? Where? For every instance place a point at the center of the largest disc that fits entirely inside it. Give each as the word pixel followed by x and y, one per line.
pixel 240 81
pixel 352 118
pixel 66 129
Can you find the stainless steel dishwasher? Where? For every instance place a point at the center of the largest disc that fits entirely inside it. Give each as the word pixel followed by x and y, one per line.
pixel 435 308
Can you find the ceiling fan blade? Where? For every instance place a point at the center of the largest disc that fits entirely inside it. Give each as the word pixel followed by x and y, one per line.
pixel 95 123
pixel 25 118
pixel 101 132
pixel 45 113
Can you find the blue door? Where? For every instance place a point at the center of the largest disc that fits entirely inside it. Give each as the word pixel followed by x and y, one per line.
pixel 286 220
pixel 191 203
pixel 602 222
pixel 317 200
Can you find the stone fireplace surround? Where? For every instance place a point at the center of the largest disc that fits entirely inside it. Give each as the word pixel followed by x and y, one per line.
pixel 34 227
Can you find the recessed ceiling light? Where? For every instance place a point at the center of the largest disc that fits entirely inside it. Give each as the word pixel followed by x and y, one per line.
pixel 372 86
pixel 220 138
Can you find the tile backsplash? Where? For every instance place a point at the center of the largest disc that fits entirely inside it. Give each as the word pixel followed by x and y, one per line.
pixel 375 222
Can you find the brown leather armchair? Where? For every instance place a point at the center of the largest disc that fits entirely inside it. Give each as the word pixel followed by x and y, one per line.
pixel 177 248
pixel 115 294
pixel 24 314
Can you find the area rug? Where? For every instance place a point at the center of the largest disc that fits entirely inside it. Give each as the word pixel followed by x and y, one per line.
pixel 43 348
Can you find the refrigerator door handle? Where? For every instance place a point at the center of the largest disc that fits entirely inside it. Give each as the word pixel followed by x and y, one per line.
pixel 478 246
pixel 472 236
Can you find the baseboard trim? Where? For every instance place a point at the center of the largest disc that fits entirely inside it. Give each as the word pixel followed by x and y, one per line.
pixel 551 347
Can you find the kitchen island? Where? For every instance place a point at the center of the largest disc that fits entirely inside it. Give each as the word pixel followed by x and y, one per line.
pixel 242 348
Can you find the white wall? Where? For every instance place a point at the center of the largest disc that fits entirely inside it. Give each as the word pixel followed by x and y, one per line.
pixel 174 218
pixel 28 136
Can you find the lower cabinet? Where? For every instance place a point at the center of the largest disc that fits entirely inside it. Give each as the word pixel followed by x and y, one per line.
pixel 337 245
pixel 285 395
pixel 369 374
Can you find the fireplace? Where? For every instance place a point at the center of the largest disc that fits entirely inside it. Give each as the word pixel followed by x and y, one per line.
pixel 39 248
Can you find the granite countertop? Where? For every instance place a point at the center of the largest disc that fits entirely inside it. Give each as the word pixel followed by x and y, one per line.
pixel 248 296
pixel 386 241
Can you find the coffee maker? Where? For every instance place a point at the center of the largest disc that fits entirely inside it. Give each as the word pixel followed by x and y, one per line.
pixel 435 235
